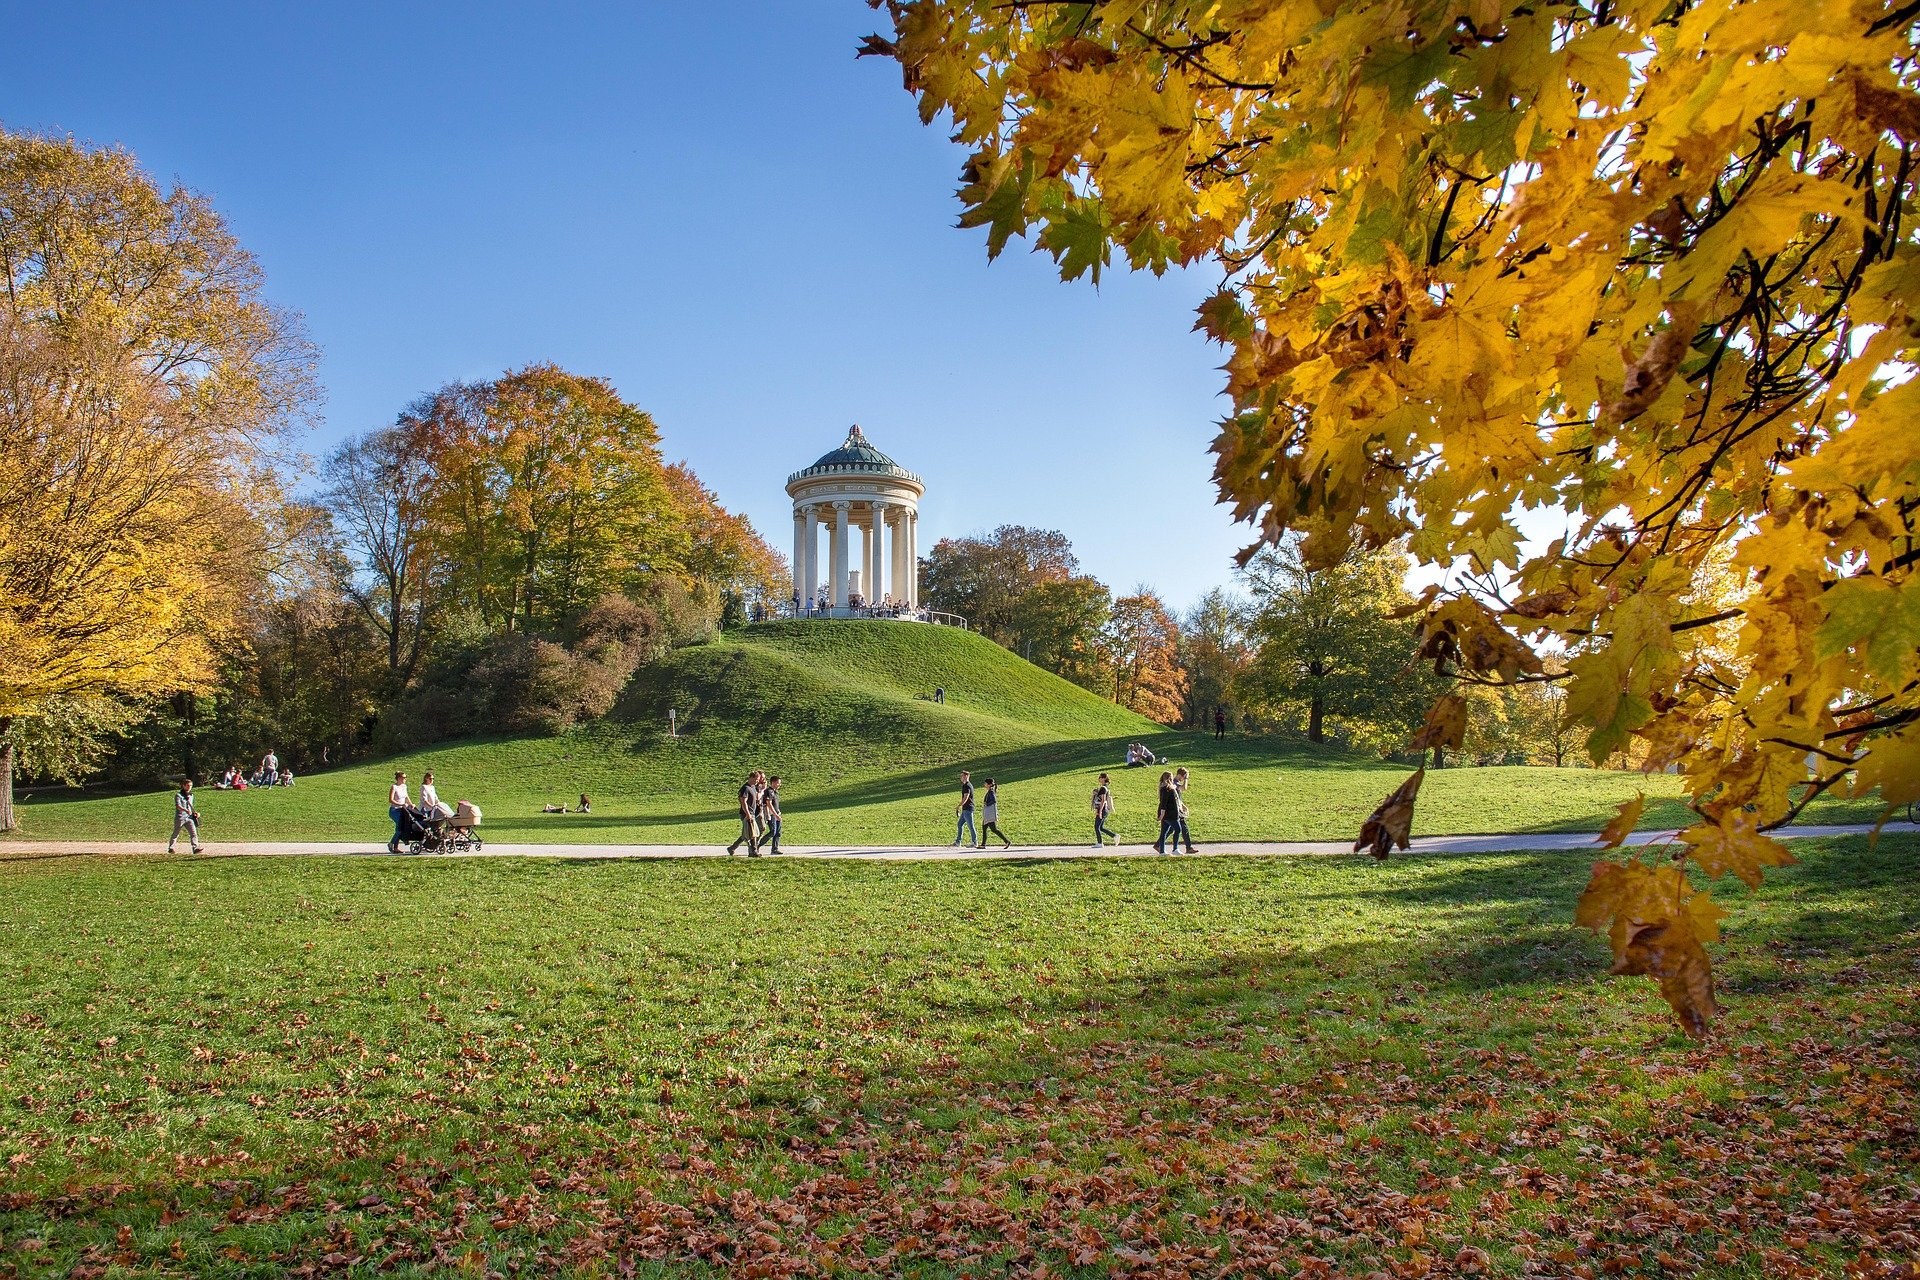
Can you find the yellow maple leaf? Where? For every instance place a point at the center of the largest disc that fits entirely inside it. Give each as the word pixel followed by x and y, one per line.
pixel 1733 843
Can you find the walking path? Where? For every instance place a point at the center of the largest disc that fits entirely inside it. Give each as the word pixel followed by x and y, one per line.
pixel 1573 842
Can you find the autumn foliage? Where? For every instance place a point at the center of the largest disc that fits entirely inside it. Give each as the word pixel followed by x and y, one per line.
pixel 1646 263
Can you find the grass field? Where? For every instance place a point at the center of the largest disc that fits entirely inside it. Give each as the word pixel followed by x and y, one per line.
pixel 841 710
pixel 1248 1066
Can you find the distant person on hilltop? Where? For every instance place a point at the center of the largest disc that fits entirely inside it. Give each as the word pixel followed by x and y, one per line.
pixel 185 817
pixel 965 812
pixel 1102 810
pixel 990 815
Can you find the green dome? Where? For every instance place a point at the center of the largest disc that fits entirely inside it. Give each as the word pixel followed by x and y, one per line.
pixel 856 454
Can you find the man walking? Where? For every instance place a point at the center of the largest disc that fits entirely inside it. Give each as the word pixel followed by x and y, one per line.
pixel 1102 810
pixel 1169 815
pixel 965 812
pixel 749 817
pixel 990 813
pixel 770 813
pixel 185 817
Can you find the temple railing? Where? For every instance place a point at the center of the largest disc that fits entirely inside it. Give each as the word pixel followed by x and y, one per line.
pixel 886 613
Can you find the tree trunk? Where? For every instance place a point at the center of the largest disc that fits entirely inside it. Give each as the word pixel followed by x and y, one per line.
pixel 1316 720
pixel 1439 757
pixel 6 775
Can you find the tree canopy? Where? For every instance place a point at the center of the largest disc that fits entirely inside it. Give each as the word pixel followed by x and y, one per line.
pixel 1643 261
pixel 144 381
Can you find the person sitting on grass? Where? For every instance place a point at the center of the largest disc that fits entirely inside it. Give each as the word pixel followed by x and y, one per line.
pixel 586 806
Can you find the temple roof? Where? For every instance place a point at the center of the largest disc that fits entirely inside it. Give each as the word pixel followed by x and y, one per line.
pixel 856 454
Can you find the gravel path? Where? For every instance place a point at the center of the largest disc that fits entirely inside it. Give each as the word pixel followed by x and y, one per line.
pixel 1563 841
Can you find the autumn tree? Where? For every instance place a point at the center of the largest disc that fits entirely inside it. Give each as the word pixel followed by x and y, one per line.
pixel 1216 645
pixel 1647 261
pixel 982 578
pixel 1058 625
pixel 1142 643
pixel 143 382
pixel 1329 648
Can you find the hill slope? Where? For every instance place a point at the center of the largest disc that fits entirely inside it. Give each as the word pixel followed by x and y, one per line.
pixel 842 711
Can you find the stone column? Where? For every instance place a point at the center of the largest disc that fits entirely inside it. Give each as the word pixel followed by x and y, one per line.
pixel 811 571
pixel 839 561
pixel 896 545
pixel 876 560
pixel 799 555
pixel 913 557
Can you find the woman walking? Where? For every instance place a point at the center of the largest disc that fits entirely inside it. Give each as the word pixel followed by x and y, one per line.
pixel 1180 831
pixel 990 815
pixel 185 817
pixel 1169 815
pixel 396 808
pixel 1102 810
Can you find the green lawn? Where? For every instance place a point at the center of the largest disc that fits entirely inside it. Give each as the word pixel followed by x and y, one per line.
pixel 1285 1066
pixel 841 710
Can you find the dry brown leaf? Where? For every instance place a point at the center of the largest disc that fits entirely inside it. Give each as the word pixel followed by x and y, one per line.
pixel 1392 822
pixel 1621 825
pixel 1656 923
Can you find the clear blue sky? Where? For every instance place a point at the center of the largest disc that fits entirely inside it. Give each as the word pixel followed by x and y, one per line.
pixel 713 205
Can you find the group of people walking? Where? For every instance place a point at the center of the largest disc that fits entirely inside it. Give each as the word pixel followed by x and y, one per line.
pixel 1172 814
pixel 759 815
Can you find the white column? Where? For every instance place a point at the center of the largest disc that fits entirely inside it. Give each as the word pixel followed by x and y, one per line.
pixel 811 571
pixel 876 545
pixel 897 544
pixel 913 557
pixel 839 559
pixel 799 555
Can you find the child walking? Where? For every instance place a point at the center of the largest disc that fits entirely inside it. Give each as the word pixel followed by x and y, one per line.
pixel 185 817
pixel 1102 810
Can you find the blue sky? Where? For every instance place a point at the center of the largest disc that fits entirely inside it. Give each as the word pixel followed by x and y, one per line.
pixel 714 206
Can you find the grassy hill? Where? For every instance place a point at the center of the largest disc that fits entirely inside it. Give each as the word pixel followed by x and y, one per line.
pixel 843 711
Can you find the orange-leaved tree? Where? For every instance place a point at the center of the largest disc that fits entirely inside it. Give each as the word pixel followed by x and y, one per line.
pixel 1142 643
pixel 143 381
pixel 1647 262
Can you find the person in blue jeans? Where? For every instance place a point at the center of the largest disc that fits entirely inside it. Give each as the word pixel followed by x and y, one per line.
pixel 965 812
pixel 1169 815
pixel 396 806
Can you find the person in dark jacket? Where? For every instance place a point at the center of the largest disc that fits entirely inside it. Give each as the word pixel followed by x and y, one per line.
pixel 1169 814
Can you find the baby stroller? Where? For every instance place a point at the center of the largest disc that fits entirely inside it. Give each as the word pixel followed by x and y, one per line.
pixel 417 833
pixel 461 832
pixel 437 831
